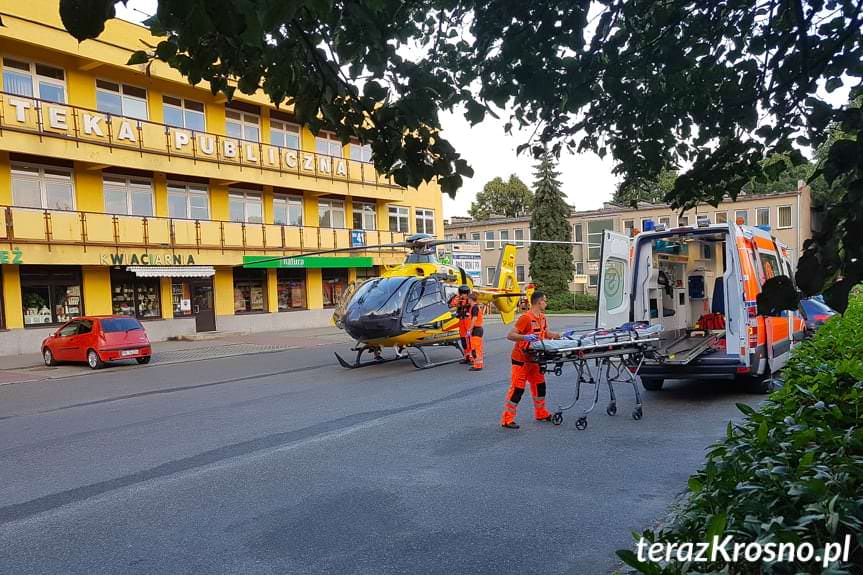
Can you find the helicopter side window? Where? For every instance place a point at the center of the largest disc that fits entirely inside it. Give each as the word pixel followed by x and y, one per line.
pixel 425 302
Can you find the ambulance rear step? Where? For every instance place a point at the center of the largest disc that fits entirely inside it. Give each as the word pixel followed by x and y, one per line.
pixel 686 348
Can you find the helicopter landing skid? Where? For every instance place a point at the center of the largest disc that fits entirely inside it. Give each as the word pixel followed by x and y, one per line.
pixel 357 363
pixel 427 363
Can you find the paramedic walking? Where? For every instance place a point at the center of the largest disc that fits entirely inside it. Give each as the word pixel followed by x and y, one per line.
pixel 531 326
pixel 475 332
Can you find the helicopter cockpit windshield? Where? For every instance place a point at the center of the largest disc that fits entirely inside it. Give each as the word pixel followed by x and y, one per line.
pixel 374 310
pixel 425 302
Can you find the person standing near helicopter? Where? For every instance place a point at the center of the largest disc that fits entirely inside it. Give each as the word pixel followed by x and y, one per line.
pixel 475 331
pixel 531 326
pixel 461 303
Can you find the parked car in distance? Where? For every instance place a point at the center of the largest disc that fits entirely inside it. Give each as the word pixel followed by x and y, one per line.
pixel 97 340
pixel 815 311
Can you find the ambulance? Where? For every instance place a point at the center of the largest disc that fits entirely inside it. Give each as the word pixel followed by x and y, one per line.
pixel 700 284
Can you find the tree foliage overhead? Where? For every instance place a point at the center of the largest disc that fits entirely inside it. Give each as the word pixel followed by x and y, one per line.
pixel 511 199
pixel 551 266
pixel 646 189
pixel 717 86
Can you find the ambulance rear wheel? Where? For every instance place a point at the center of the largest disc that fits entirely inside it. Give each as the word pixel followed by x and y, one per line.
pixel 652 383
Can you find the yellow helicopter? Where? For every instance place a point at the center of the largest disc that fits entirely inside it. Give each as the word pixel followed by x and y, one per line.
pixel 408 306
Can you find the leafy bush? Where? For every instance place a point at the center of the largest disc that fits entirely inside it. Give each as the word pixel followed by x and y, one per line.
pixel 793 470
pixel 567 301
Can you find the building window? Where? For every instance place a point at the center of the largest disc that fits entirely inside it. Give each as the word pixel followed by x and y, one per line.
pixel 327 144
pixel 475 236
pixel 365 216
pixel 250 290
pixel 367 273
pixel 489 275
pixel 742 215
pixel 784 216
pixel 489 240
pixel 762 216
pixel 628 226
pixel 183 113
pixel 331 213
pixel 128 195
pixel 291 287
pixel 334 284
pixel 121 99
pixel 424 221
pixel 288 210
pixel 284 134
pixel 461 236
pixel 578 233
pixel 504 238
pixel 399 219
pixel 50 294
pixel 665 221
pixel 188 201
pixel 34 80
pixel 244 206
pixel 519 274
pixel 721 217
pixel 361 153
pixel 579 268
pixel 134 296
pixel 242 125
pixel 43 187
pixel 519 237
pixel 592 280
pixel 595 229
pixel 682 221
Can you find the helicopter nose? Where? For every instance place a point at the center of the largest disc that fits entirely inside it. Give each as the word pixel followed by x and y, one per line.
pixel 364 325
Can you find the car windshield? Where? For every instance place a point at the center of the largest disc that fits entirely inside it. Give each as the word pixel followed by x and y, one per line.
pixel 814 306
pixel 116 324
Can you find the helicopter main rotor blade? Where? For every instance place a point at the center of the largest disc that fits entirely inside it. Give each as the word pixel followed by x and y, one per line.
pixel 331 251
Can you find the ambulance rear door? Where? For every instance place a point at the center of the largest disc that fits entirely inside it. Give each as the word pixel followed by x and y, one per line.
pixel 615 281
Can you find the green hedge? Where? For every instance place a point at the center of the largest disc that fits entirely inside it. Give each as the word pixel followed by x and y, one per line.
pixel 792 471
pixel 568 301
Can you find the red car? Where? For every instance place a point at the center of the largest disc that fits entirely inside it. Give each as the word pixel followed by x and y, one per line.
pixel 97 340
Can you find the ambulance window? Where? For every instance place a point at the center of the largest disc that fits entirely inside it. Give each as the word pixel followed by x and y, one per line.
pixel 770 265
pixel 612 282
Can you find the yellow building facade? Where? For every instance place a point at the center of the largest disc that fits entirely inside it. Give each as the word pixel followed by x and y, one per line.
pixel 126 190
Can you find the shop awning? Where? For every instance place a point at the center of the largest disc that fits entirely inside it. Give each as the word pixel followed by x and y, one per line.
pixel 173 271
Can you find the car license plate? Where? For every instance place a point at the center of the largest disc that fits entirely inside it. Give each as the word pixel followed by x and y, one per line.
pixel 128 352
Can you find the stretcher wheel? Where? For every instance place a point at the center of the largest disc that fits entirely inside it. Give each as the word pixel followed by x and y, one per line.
pixel 637 414
pixel 557 418
pixel 558 370
pixel 611 409
pixel 581 424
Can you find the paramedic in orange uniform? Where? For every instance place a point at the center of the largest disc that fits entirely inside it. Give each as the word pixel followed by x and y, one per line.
pixel 475 332
pixel 531 326
pixel 461 303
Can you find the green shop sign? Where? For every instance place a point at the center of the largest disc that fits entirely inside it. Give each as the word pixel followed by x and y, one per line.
pixel 14 256
pixel 307 262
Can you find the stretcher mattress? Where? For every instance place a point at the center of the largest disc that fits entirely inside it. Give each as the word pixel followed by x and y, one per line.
pixel 625 335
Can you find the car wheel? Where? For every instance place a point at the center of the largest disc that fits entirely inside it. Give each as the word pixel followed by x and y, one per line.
pixel 48 357
pixel 652 383
pixel 143 360
pixel 93 360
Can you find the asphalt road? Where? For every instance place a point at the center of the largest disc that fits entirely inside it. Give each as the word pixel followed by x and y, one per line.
pixel 286 463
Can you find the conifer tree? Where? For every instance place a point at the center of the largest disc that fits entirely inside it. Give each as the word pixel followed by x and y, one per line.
pixel 551 267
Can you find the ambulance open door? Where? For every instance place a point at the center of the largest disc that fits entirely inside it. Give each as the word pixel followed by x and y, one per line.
pixel 615 280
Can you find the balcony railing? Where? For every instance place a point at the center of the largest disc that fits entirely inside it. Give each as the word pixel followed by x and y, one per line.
pixel 53 227
pixel 86 126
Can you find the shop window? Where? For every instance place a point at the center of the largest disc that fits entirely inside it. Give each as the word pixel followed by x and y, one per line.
pixel 183 113
pixel 181 298
pixel 45 187
pixel 250 290
pixel 424 221
pixel 288 210
pixel 595 230
pixel 365 216
pixel 34 80
pixel 245 207
pixel 128 195
pixel 284 134
pixel 331 213
pixel 399 219
pixel 50 294
pixel 334 284
pixel 291 286
pixel 121 99
pixel 328 144
pixel 188 201
pixel 367 273
pixel 361 153
pixel 135 296
pixel 242 125
pixel 2 313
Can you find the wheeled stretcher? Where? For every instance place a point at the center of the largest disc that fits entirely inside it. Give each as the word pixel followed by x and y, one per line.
pixel 612 356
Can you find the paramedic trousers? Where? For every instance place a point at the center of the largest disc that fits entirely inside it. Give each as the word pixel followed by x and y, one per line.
pixel 463 326
pixel 476 347
pixel 525 371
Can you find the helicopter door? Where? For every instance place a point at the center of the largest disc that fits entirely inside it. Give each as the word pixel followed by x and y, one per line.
pixel 426 302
